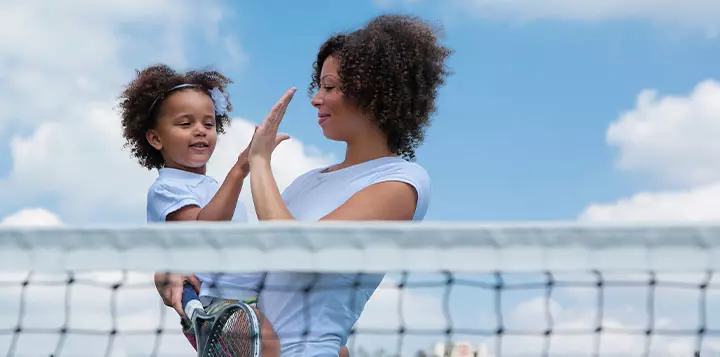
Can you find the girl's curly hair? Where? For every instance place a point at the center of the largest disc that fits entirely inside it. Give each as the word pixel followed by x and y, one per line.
pixel 391 69
pixel 139 115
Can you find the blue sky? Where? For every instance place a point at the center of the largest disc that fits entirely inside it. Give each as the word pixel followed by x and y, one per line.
pixel 520 131
pixel 606 112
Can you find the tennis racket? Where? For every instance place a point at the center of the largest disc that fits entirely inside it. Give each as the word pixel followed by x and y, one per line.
pixel 233 331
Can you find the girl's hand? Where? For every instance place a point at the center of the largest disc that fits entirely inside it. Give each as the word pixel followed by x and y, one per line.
pixel 170 287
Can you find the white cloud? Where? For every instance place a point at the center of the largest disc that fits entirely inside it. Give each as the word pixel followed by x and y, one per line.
pixel 31 217
pixel 691 13
pixel 672 138
pixel 58 56
pixel 673 141
pixel 693 205
pixel 81 165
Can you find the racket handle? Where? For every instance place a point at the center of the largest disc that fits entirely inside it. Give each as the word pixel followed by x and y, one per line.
pixel 190 301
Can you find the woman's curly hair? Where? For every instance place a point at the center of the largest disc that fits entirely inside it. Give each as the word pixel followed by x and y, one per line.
pixel 391 69
pixel 154 83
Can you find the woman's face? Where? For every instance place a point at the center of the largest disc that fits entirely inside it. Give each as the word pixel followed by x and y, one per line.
pixel 339 119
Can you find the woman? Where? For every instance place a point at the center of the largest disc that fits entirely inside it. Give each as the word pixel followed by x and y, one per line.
pixel 375 90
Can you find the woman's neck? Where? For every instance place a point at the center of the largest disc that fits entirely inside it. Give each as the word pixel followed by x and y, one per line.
pixel 363 150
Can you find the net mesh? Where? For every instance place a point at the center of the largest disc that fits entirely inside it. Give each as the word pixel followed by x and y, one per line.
pixel 450 289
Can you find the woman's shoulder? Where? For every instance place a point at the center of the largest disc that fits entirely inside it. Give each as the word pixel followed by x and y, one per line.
pixel 410 173
pixel 398 167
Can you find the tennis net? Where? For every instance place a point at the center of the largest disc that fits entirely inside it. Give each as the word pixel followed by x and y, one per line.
pixel 451 289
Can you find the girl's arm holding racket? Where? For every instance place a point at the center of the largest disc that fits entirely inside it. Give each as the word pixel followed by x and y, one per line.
pixel 220 208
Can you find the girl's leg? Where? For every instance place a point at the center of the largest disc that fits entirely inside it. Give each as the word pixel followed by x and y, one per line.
pixel 270 341
pixel 344 352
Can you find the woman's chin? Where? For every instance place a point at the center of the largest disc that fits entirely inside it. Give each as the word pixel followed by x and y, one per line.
pixel 330 135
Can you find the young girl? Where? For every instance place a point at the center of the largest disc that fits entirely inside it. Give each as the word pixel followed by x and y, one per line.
pixel 170 123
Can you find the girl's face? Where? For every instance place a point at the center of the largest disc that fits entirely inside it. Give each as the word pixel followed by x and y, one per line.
pixel 185 131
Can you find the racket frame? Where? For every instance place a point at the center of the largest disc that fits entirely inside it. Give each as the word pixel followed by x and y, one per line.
pixel 208 326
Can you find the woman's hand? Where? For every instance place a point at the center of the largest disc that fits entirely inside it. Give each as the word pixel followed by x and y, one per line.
pixel 266 137
pixel 170 287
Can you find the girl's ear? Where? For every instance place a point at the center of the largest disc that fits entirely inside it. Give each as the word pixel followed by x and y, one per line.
pixel 154 139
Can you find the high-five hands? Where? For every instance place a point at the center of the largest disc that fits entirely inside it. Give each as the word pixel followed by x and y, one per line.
pixel 266 137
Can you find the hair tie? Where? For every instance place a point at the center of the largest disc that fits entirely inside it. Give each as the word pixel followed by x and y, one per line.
pixel 220 100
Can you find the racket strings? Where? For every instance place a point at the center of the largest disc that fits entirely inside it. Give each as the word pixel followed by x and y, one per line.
pixel 236 337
